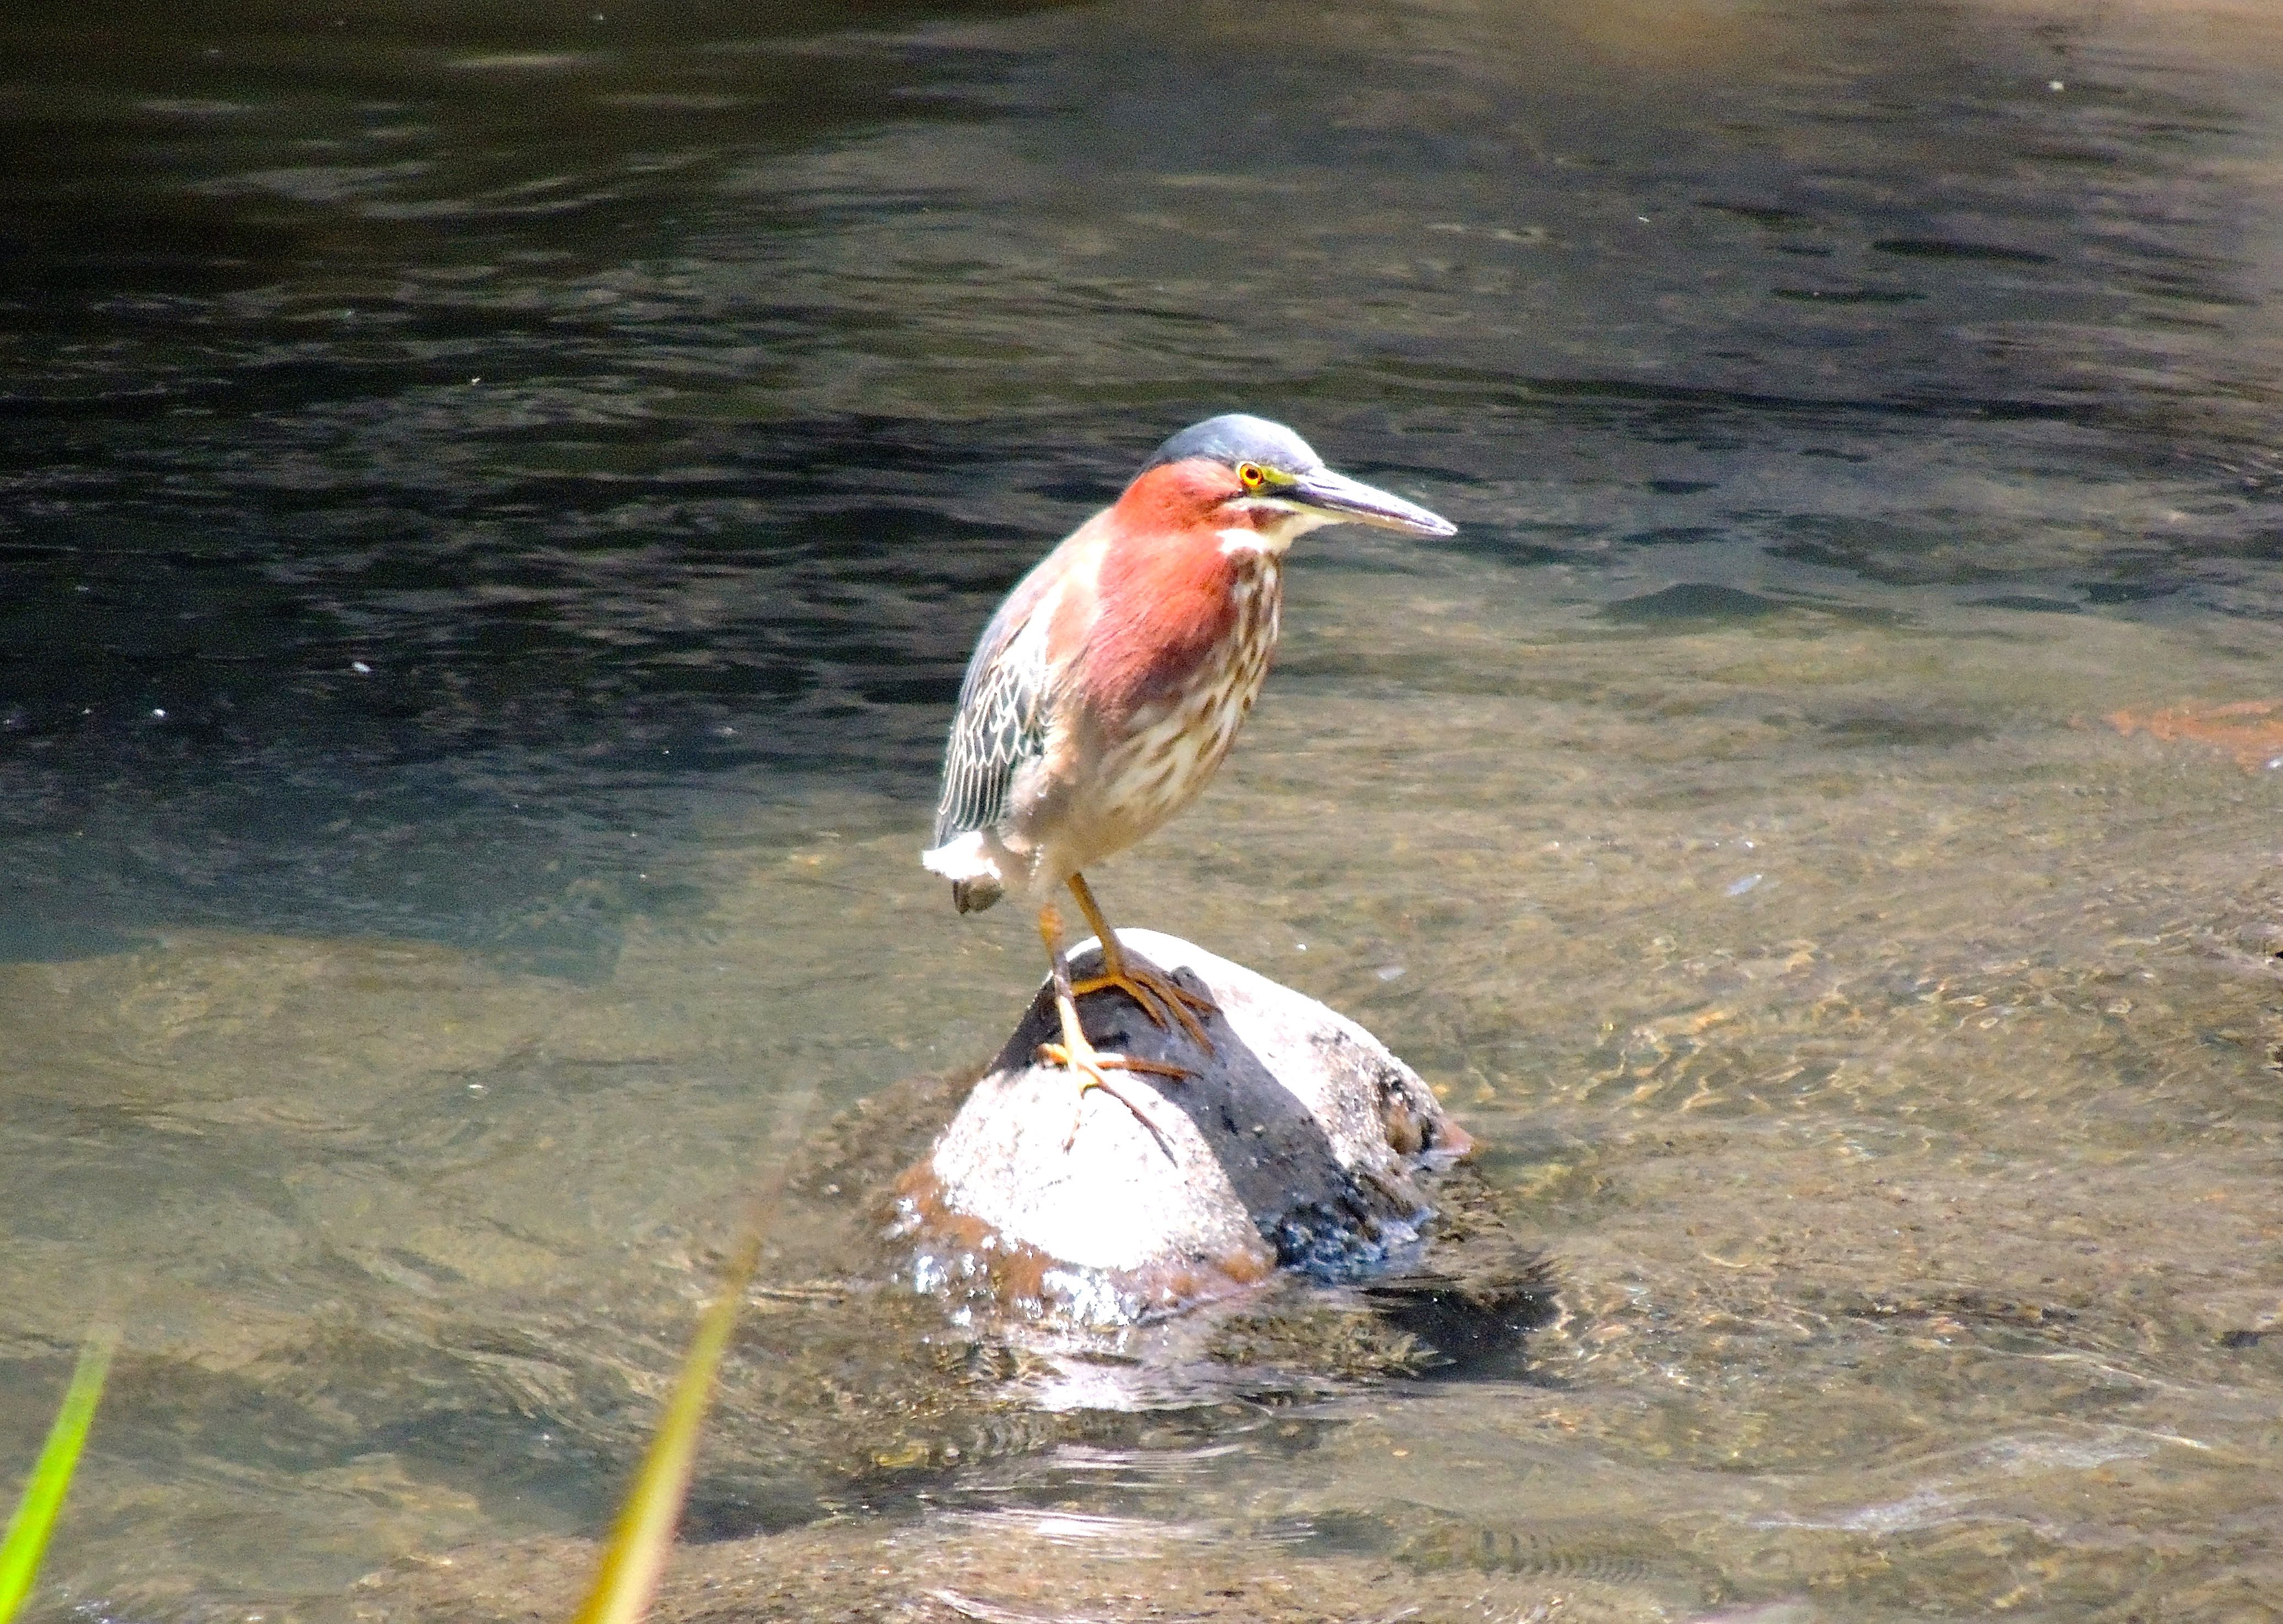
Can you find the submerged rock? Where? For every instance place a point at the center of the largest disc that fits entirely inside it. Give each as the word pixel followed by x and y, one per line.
pixel 1294 1141
pixel 1022 1566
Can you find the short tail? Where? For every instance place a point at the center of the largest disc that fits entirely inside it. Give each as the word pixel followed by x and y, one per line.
pixel 966 863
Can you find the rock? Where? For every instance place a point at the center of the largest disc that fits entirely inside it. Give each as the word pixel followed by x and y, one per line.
pixel 1296 1141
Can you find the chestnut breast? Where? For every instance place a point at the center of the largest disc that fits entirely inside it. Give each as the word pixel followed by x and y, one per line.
pixel 1185 620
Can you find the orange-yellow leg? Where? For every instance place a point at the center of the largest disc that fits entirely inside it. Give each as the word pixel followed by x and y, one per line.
pixel 1163 999
pixel 1074 1054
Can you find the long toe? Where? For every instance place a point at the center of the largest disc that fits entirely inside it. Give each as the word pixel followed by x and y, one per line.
pixel 1164 1000
pixel 1092 1067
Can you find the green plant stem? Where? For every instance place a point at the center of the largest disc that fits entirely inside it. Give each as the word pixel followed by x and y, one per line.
pixel 27 1538
pixel 644 1535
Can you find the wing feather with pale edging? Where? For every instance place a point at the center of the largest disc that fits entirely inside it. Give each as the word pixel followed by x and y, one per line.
pixel 1001 723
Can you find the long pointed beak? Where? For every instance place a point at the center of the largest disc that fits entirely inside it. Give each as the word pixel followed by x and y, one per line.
pixel 1337 496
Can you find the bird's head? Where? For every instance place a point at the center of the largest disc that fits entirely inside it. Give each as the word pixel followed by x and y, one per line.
pixel 1253 476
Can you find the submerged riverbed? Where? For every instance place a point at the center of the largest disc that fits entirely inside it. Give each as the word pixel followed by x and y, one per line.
pixel 497 510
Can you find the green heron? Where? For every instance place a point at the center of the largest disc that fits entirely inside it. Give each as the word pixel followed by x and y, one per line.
pixel 1112 682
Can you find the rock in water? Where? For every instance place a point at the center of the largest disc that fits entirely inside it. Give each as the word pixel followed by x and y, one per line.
pixel 1296 1141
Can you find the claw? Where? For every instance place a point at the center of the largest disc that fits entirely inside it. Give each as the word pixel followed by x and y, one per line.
pixel 1161 997
pixel 1074 1054
pixel 1095 1060
pixel 1093 1068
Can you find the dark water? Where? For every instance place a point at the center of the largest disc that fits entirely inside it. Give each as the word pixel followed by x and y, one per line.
pixel 496 502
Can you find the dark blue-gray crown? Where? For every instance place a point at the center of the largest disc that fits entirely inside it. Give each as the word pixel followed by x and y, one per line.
pixel 1234 438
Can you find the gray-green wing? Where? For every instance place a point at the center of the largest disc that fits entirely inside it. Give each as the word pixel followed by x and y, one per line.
pixel 1001 722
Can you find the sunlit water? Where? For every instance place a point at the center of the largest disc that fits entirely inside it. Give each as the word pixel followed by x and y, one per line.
pixel 495 512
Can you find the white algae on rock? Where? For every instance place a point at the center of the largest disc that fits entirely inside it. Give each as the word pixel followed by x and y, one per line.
pixel 1295 1142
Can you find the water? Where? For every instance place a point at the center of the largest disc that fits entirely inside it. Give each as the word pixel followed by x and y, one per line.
pixel 497 509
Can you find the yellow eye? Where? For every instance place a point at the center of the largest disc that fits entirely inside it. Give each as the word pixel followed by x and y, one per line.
pixel 1251 475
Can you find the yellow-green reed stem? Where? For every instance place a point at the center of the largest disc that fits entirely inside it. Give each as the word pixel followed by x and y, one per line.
pixel 27 1538
pixel 644 1535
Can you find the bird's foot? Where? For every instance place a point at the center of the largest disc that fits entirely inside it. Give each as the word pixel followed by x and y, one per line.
pixel 1093 1068
pixel 1162 998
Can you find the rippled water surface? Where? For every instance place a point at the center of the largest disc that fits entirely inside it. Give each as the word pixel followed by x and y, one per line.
pixel 496 502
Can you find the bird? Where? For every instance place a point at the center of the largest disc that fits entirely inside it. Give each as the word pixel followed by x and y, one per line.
pixel 1108 688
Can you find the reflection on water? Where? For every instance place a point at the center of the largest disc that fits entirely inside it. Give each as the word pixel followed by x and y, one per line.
pixel 495 512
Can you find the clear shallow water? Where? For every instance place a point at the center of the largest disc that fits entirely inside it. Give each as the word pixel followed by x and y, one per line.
pixel 1841 420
